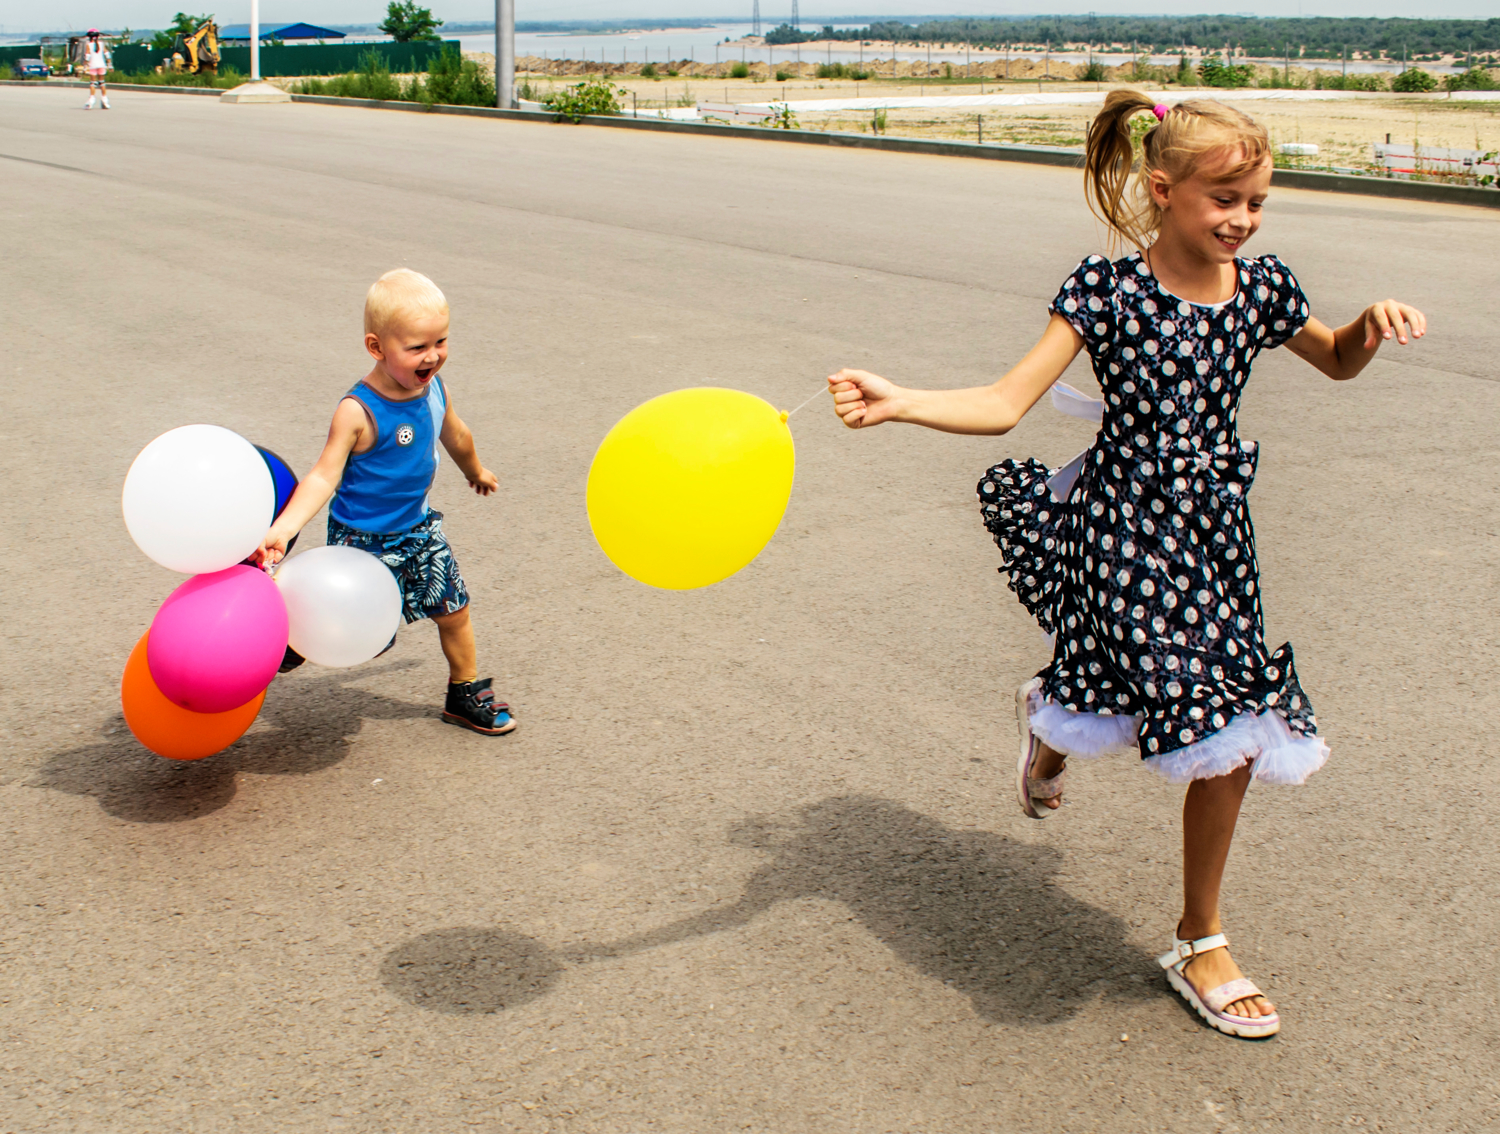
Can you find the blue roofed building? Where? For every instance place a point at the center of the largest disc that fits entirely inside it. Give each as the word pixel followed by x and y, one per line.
pixel 240 33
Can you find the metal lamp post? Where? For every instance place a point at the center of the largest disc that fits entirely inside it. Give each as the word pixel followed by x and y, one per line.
pixel 505 54
pixel 255 41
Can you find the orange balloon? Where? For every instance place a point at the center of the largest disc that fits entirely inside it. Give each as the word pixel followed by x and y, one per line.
pixel 170 730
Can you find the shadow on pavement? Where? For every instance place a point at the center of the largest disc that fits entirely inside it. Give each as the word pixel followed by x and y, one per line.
pixel 312 718
pixel 971 909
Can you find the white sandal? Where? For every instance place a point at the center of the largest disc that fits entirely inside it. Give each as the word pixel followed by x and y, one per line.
pixel 1028 788
pixel 1211 1004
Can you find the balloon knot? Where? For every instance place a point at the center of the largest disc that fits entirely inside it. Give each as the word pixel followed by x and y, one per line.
pixel 784 416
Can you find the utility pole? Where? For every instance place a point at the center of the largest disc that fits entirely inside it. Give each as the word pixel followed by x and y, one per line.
pixel 254 43
pixel 505 54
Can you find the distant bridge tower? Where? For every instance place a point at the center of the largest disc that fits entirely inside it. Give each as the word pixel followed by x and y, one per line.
pixel 755 20
pixel 796 19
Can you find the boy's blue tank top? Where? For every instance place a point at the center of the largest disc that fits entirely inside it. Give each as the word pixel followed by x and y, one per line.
pixel 384 489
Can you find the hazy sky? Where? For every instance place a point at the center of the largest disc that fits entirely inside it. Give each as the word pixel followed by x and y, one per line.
pixel 28 15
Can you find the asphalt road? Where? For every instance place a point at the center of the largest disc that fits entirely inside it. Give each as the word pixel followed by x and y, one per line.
pixel 751 861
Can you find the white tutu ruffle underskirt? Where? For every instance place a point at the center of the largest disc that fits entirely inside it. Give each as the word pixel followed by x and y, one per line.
pixel 1278 755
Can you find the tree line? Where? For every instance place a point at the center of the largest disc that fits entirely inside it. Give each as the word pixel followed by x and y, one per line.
pixel 1315 37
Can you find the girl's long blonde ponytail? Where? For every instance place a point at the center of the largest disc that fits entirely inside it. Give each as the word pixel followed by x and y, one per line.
pixel 1175 145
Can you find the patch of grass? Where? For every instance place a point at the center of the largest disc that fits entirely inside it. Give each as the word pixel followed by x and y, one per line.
pixel 842 71
pixel 226 78
pixel 451 80
pixel 739 70
pixel 372 80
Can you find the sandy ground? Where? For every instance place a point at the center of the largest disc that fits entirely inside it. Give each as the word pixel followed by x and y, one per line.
pixel 1344 130
pixel 751 861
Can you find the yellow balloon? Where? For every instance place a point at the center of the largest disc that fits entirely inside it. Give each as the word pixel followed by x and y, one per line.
pixel 687 488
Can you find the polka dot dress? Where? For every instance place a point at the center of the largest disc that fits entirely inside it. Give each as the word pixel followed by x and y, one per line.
pixel 1147 575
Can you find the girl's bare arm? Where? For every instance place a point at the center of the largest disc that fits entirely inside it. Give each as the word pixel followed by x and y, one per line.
pixel 1343 353
pixel 862 399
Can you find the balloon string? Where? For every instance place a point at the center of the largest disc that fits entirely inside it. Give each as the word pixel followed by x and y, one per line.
pixel 808 400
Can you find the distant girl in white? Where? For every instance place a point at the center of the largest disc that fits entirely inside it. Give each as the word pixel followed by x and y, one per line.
pixel 96 63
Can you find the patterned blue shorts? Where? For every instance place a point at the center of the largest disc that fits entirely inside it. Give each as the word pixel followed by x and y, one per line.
pixel 421 560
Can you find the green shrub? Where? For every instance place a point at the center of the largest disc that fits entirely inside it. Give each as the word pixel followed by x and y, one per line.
pixel 1185 76
pixel 1474 79
pixel 782 117
pixel 592 96
pixel 455 81
pixel 1093 73
pixel 1216 73
pixel 1413 80
pixel 784 76
pixel 648 71
pixel 1371 81
pixel 739 70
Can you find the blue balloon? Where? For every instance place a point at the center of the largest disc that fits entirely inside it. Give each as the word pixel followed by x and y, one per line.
pixel 282 476
pixel 285 481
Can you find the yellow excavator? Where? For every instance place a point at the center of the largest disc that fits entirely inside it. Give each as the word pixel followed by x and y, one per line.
pixel 195 54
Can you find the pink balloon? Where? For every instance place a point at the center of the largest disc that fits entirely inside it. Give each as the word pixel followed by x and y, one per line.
pixel 218 639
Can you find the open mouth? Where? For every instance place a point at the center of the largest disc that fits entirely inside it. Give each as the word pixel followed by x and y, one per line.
pixel 1229 241
pixel 424 373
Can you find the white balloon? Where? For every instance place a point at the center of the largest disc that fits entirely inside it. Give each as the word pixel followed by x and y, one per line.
pixel 198 499
pixel 342 604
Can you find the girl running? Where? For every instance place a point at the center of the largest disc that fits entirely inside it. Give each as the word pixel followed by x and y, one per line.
pixel 1139 558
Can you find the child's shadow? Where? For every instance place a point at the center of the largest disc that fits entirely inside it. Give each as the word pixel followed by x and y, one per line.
pixel 971 909
pixel 312 718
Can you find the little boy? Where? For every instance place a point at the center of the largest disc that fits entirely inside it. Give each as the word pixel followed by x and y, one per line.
pixel 379 462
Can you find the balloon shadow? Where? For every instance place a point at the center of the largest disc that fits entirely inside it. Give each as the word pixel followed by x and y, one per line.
pixel 971 909
pixel 312 717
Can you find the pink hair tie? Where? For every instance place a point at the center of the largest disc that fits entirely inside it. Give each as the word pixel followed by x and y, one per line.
pixel 1160 111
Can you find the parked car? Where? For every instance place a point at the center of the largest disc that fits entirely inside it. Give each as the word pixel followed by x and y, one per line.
pixel 30 69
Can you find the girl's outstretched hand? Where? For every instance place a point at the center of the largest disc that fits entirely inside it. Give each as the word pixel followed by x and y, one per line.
pixel 861 398
pixel 1391 318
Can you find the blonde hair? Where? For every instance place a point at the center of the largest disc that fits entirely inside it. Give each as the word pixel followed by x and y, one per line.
pixel 1185 134
pixel 401 294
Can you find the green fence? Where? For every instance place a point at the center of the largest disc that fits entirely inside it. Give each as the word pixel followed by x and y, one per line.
pixel 311 59
pixel 9 55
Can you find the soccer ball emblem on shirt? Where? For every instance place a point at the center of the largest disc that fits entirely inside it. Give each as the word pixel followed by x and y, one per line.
pixel 405 434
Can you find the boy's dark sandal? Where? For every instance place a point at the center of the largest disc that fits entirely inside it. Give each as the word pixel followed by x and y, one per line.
pixel 472 704
pixel 290 660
